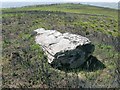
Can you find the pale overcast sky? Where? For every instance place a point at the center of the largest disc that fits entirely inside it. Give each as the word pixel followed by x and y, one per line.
pixel 60 1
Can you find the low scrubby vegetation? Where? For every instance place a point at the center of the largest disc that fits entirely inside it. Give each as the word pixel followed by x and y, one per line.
pixel 24 62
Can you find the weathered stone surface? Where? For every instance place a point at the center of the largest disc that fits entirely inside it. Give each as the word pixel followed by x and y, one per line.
pixel 64 49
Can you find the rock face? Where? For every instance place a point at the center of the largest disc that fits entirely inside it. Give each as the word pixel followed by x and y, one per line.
pixel 64 49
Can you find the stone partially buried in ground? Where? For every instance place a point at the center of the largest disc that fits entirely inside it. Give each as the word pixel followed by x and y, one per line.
pixel 65 49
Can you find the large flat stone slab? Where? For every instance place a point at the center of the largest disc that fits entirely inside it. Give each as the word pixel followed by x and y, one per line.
pixel 64 49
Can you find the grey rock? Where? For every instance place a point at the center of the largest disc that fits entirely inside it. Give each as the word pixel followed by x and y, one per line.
pixel 64 49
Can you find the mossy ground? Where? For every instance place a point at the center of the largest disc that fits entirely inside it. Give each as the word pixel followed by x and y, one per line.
pixel 30 68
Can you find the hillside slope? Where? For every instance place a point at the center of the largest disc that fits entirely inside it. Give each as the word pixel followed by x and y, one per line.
pixel 24 62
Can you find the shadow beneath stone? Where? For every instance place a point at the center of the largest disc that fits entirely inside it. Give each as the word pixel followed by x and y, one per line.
pixel 91 64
